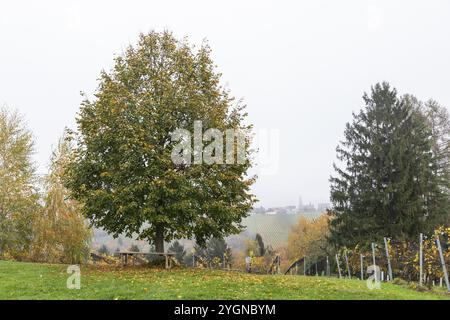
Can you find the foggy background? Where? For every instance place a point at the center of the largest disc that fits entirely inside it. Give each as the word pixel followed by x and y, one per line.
pixel 301 66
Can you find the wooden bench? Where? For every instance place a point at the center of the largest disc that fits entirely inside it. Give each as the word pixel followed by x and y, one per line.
pixel 125 255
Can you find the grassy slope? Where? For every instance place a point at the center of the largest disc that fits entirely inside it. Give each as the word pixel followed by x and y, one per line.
pixel 39 281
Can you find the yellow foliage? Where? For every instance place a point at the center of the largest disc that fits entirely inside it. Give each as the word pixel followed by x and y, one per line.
pixel 308 238
pixel 61 233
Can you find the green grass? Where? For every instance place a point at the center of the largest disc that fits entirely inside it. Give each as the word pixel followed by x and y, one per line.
pixel 41 281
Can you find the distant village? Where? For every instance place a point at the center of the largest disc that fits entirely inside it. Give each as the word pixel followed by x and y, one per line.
pixel 300 208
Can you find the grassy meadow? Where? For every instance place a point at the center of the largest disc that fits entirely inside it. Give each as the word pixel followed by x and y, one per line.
pixel 42 281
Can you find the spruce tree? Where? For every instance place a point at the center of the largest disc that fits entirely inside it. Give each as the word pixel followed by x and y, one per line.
pixel 385 183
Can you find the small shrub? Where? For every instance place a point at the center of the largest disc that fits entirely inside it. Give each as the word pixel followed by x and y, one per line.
pixel 399 282
pixel 417 287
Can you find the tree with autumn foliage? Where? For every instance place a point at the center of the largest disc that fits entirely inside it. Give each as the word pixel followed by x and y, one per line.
pixel 123 171
pixel 308 238
pixel 61 234
pixel 19 197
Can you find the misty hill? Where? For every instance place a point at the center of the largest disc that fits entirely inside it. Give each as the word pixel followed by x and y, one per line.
pixel 274 228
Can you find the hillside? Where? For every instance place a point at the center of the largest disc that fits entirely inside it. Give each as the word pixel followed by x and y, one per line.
pixel 273 228
pixel 42 281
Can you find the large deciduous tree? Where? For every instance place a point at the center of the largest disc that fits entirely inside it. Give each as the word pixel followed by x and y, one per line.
pixel 123 171
pixel 386 183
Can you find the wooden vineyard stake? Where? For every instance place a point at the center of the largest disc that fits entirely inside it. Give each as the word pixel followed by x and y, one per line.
pixel 421 259
pixel 339 267
pixel 348 267
pixel 444 268
pixel 388 260
pixel 362 266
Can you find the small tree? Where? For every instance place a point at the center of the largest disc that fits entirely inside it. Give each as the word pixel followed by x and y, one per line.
pixel 179 251
pixel 103 250
pixel 61 233
pixel 134 248
pixel 261 249
pixel 19 205
pixel 213 252
pixel 217 248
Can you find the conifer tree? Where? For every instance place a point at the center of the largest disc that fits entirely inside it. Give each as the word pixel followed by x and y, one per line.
pixel 177 248
pixel 261 247
pixel 385 182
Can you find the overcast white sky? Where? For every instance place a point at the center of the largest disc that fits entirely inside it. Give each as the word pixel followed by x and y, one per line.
pixel 301 66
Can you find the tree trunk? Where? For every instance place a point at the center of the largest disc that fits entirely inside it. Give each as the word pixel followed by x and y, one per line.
pixel 159 239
